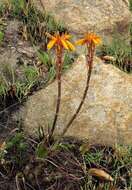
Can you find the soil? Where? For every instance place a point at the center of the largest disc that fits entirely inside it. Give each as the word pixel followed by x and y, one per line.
pixel 61 169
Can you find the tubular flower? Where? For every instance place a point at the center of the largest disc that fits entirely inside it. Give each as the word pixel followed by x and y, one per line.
pixel 89 38
pixel 60 41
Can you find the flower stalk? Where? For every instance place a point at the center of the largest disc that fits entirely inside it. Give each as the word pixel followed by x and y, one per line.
pixel 58 70
pixel 90 40
pixel 60 42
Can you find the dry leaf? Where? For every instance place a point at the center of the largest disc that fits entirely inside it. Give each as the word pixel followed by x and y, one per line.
pixel 108 58
pixel 101 174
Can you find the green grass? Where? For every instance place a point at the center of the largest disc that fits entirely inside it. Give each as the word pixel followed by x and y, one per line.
pixel 15 85
pixel 2 30
pixel 19 146
pixel 130 1
pixel 12 84
pixel 121 51
pixel 2 9
pixel 35 22
pixel 117 163
pixel 48 60
pixel 65 162
pixel 1 36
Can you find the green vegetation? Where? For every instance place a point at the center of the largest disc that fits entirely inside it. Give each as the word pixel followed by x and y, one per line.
pixel 35 23
pixel 130 1
pixel 20 82
pixel 1 36
pixel 120 51
pixel 2 28
pixel 16 144
pixel 13 85
pixel 66 164
pixel 117 161
pixel 48 59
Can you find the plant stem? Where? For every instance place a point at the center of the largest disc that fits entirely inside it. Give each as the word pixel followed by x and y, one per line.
pixel 91 49
pixel 58 68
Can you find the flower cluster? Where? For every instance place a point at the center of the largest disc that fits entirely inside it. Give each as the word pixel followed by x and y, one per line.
pixel 61 42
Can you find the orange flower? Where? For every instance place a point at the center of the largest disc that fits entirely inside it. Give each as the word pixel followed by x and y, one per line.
pixel 61 41
pixel 88 39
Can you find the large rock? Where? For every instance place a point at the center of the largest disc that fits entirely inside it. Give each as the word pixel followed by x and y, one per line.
pixel 84 15
pixel 106 116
